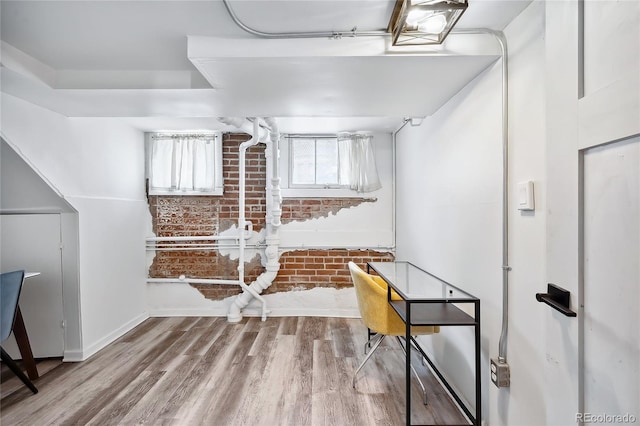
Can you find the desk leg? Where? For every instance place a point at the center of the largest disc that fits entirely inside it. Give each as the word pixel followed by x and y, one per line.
pixel 478 367
pixel 22 339
pixel 407 344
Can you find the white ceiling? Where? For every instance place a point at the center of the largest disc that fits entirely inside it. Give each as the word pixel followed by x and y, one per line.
pixel 175 64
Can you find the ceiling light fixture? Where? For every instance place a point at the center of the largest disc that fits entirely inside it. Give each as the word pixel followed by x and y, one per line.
pixel 420 22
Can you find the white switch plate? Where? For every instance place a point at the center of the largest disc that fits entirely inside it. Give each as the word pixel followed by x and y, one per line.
pixel 525 196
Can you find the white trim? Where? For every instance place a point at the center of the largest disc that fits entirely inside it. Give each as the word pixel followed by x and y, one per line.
pixel 87 352
pixel 73 356
pixel 257 312
pixel 218 182
pixel 215 192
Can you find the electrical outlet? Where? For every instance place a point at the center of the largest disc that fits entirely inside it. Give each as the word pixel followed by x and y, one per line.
pixel 500 374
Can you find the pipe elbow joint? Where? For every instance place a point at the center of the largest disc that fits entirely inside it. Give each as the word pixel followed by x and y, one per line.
pixel 234 315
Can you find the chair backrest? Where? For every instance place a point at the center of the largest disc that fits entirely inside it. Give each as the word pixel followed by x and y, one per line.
pixel 377 314
pixel 10 286
pixel 372 299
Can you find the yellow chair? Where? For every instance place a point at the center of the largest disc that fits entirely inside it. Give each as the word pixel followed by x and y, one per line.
pixel 378 315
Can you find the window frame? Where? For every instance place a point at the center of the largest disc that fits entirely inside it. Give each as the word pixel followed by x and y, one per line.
pixel 218 188
pixel 290 190
pixel 315 138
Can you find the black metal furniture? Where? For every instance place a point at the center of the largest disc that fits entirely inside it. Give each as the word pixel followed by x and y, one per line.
pixel 10 286
pixel 429 300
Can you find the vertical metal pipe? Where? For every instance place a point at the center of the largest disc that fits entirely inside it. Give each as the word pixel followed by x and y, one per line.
pixel 502 345
pixel 499 35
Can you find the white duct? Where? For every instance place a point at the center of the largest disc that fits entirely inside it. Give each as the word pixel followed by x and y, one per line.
pixel 273 215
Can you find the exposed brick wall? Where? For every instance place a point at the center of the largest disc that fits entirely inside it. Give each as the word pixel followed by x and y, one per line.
pixel 206 215
pixel 305 269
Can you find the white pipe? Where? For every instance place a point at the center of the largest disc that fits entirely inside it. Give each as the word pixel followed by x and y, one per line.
pixel 195 238
pixel 276 194
pixel 183 279
pixel 242 222
pixel 272 235
pixel 244 125
pixel 173 247
pixel 255 246
pixel 337 247
pixel 268 152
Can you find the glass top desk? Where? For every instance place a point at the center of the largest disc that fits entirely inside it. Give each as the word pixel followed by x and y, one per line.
pixel 429 300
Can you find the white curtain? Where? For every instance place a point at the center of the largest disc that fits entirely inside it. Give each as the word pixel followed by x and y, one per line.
pixel 182 163
pixel 357 162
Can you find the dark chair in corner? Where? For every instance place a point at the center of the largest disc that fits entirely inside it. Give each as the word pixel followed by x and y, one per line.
pixel 10 286
pixel 378 315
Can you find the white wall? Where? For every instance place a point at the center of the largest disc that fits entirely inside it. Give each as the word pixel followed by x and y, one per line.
pixel 22 190
pixel 449 208
pixel 351 227
pixel 98 167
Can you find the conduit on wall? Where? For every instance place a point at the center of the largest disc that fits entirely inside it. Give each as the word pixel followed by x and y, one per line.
pixel 502 346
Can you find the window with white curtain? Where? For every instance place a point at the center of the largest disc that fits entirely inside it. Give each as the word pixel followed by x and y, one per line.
pixel 342 161
pixel 184 163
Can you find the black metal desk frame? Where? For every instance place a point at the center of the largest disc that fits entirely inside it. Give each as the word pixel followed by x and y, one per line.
pixel 416 310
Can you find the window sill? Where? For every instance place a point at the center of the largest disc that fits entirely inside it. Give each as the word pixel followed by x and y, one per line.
pixel 214 193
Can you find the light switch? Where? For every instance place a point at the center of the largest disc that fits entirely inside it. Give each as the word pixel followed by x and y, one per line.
pixel 525 196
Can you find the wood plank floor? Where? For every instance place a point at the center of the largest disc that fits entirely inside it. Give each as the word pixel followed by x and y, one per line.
pixel 191 371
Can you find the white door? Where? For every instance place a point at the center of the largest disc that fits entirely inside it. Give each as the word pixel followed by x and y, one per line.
pixel 32 242
pixel 592 59
pixel 612 283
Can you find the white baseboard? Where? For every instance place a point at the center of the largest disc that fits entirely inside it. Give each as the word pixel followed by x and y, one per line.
pixel 189 312
pixel 257 312
pixel 76 356
pixel 72 356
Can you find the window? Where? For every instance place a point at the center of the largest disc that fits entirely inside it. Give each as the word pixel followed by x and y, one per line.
pixel 314 162
pixel 344 161
pixel 184 163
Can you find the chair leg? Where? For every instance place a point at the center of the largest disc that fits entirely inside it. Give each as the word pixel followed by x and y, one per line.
pixel 17 370
pixel 415 373
pixel 379 339
pixel 370 336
